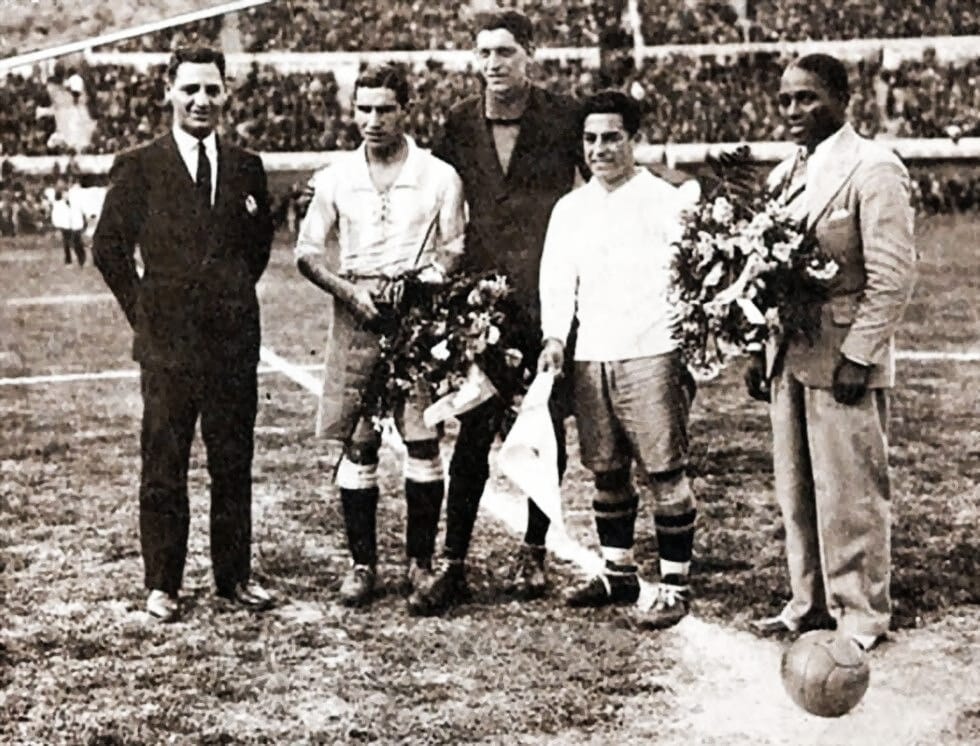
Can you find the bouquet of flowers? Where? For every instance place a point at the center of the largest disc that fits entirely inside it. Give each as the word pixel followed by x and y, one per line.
pixel 744 271
pixel 438 337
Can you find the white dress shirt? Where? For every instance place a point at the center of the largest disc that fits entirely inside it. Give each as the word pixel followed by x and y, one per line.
pixel 381 232
pixel 190 147
pixel 607 261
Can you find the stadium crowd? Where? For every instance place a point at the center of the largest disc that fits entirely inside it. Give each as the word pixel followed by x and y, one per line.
pixel 352 25
pixel 685 99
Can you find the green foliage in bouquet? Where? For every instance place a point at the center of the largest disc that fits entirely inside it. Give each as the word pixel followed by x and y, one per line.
pixel 744 271
pixel 431 335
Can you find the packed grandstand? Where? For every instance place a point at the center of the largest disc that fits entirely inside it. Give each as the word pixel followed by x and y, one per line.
pixel 696 94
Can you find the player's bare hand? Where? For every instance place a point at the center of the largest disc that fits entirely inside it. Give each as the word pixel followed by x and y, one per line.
pixel 361 304
pixel 552 357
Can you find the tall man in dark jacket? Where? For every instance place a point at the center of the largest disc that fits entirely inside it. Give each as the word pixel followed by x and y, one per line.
pixel 198 208
pixel 516 148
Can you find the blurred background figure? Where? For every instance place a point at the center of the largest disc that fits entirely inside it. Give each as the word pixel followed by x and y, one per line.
pixel 68 217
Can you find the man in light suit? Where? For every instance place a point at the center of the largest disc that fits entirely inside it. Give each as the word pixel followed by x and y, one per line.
pixel 828 399
pixel 198 208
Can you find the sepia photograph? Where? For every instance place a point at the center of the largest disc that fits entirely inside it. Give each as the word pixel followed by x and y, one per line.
pixel 490 372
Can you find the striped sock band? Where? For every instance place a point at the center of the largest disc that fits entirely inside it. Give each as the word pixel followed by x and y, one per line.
pixel 360 522
pixel 675 539
pixel 615 520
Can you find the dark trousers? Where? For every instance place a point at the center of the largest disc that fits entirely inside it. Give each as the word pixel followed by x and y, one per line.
pixel 173 398
pixel 72 241
pixel 469 470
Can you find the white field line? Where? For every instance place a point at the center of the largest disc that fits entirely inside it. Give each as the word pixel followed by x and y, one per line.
pixel 109 375
pixel 57 300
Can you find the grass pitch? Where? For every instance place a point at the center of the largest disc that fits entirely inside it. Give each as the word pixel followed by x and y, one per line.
pixel 80 664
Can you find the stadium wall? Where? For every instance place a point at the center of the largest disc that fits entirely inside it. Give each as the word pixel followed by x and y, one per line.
pixel 963 152
pixel 948 49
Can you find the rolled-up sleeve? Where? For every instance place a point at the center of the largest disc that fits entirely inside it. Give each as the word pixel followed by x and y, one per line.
pixel 452 217
pixel 321 217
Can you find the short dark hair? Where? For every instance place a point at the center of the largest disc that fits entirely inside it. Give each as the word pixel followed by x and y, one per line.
pixel 518 24
pixel 385 76
pixel 611 101
pixel 830 70
pixel 197 55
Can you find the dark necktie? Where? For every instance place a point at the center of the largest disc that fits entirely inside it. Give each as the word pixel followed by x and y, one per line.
pixel 203 179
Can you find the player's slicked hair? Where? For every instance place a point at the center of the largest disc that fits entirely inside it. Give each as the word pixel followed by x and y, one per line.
pixel 388 76
pixel 611 101
pixel 518 24
pixel 197 55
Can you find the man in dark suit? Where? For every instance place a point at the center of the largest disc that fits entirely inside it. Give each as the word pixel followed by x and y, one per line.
pixel 198 208
pixel 516 148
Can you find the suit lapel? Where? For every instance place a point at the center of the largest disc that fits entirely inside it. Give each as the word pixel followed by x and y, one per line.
pixel 840 164
pixel 176 169
pixel 531 127
pixel 482 145
pixel 227 177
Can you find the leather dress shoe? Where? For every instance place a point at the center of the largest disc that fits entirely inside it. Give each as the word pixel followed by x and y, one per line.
pixel 443 589
pixel 249 594
pixel 527 578
pixel 163 606
pixel 357 588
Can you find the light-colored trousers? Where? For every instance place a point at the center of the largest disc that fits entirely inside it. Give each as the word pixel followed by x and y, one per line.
pixel 831 475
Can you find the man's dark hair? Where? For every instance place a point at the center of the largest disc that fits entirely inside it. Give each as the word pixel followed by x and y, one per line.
pixel 611 101
pixel 388 76
pixel 196 55
pixel 831 72
pixel 518 24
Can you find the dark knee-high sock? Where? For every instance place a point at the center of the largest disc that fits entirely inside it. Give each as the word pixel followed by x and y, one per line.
pixel 675 542
pixel 615 510
pixel 468 474
pixel 674 519
pixel 462 505
pixel 360 520
pixel 537 525
pixel 424 488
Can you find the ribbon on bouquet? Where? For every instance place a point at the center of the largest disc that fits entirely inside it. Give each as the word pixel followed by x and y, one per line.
pixel 735 293
pixel 475 390
pixel 529 454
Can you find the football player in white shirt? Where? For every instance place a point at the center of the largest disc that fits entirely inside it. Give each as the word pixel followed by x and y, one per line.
pixel 607 262
pixel 392 208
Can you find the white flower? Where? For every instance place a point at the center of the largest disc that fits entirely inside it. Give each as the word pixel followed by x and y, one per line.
pixel 493 335
pixel 714 276
pixel 475 298
pixel 722 211
pixel 782 252
pixel 440 351
pixel 827 273
pixel 761 222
